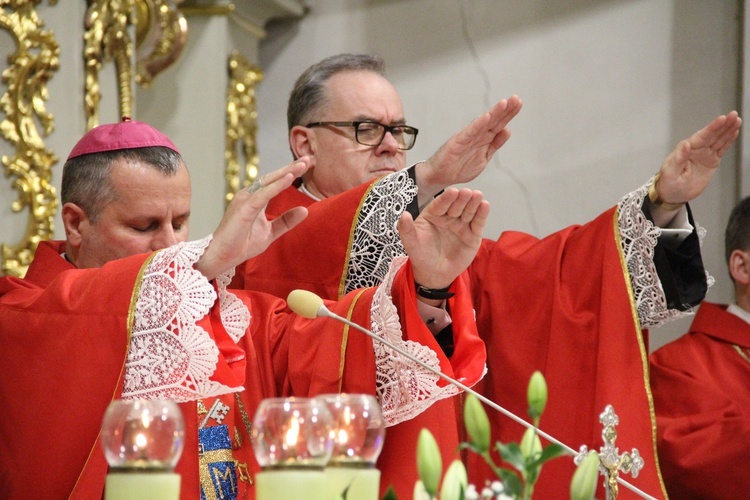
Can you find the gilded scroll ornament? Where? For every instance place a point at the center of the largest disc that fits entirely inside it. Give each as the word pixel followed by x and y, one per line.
pixel 241 125
pixel 106 38
pixel 161 34
pixel 25 125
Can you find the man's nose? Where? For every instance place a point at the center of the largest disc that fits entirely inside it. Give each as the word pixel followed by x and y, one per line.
pixel 166 237
pixel 389 145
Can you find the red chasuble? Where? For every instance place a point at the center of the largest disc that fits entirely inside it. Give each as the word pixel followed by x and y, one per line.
pixel 68 338
pixel 562 305
pixel 700 383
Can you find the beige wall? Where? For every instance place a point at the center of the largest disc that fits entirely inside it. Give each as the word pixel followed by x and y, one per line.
pixel 609 88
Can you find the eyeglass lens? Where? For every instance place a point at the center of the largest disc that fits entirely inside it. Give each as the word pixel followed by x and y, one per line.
pixel 372 134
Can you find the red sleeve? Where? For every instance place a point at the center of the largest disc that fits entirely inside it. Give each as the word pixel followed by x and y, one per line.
pixel 63 352
pixel 702 403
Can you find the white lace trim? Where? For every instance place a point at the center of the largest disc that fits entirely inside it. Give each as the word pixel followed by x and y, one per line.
pixel 404 388
pixel 639 238
pixel 234 314
pixel 376 228
pixel 170 356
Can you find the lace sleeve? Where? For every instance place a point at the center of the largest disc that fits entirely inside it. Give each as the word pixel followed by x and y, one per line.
pixel 639 237
pixel 375 241
pixel 170 356
pixel 403 388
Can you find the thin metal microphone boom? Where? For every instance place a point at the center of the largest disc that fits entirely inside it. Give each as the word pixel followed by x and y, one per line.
pixel 300 302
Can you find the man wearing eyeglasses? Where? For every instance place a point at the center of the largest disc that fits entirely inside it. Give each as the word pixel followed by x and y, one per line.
pixel 348 118
pixel 572 305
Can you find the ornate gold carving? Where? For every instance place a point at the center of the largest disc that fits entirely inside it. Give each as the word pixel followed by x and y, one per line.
pixel 241 124
pixel 161 35
pixel 106 38
pixel 26 123
pixel 193 8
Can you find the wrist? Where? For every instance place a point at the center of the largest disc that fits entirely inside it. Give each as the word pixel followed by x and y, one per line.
pixel 434 294
pixel 658 201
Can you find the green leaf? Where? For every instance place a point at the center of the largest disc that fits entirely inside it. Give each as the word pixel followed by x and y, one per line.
pixel 550 451
pixel 512 484
pixel 390 494
pixel 511 453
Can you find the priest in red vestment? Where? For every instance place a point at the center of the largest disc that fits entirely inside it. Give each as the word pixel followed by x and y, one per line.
pixel 573 305
pixel 127 308
pixel 701 383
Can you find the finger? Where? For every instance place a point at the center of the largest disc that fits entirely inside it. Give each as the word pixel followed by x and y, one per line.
pixel 459 204
pixel 287 221
pixel 406 230
pixel 439 205
pixel 296 168
pixel 504 112
pixel 500 139
pixel 470 211
pixel 481 216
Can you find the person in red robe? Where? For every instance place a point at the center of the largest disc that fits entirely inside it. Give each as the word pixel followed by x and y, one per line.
pixel 573 305
pixel 128 308
pixel 700 387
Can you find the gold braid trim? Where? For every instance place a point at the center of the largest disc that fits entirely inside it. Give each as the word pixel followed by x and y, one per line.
pixel 130 321
pixel 641 347
pixel 345 338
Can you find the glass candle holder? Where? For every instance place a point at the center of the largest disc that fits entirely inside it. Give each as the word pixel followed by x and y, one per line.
pixel 358 435
pixel 142 442
pixel 292 443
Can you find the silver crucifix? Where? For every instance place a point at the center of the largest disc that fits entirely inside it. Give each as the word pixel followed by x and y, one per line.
pixel 610 462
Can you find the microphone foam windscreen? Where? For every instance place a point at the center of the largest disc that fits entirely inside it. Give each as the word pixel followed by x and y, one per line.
pixel 304 303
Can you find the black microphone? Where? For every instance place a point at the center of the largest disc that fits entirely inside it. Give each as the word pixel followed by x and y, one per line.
pixel 309 305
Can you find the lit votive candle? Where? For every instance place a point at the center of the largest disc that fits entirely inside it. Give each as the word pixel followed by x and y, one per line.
pixel 292 443
pixel 358 435
pixel 142 442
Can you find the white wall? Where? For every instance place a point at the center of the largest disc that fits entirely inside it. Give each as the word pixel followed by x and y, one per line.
pixel 609 87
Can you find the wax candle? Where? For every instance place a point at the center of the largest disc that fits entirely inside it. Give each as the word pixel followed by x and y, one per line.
pixel 142 442
pixel 358 436
pixel 292 443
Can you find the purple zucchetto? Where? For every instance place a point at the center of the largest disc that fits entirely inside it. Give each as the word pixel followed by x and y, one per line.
pixel 127 134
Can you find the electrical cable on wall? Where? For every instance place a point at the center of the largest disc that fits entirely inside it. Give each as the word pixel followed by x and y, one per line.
pixel 465 13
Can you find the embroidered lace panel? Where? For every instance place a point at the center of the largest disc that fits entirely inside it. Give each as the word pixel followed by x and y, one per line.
pixel 639 237
pixel 404 388
pixel 170 356
pixel 234 314
pixel 376 242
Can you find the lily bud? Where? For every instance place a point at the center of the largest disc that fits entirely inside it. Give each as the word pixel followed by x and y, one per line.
pixel 429 461
pixel 419 492
pixel 531 445
pixel 477 423
pixel 454 482
pixel 583 484
pixel 537 394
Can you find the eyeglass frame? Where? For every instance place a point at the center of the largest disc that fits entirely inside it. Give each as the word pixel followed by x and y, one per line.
pixel 356 124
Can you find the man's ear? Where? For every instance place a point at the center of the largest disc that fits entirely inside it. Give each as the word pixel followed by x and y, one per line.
pixel 739 266
pixel 302 141
pixel 73 218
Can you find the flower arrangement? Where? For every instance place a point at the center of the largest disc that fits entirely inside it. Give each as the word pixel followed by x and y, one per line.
pixel 527 458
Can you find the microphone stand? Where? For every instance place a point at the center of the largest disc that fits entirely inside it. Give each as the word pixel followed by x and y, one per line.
pixel 323 311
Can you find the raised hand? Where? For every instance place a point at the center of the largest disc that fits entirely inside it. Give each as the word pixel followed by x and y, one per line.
pixel 445 238
pixel 465 155
pixel 688 169
pixel 244 231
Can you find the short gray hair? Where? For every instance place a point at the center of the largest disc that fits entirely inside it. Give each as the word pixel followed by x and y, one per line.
pixel 737 234
pixel 309 92
pixel 85 179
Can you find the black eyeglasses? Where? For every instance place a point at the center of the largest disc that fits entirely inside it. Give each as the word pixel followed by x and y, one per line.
pixel 372 133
